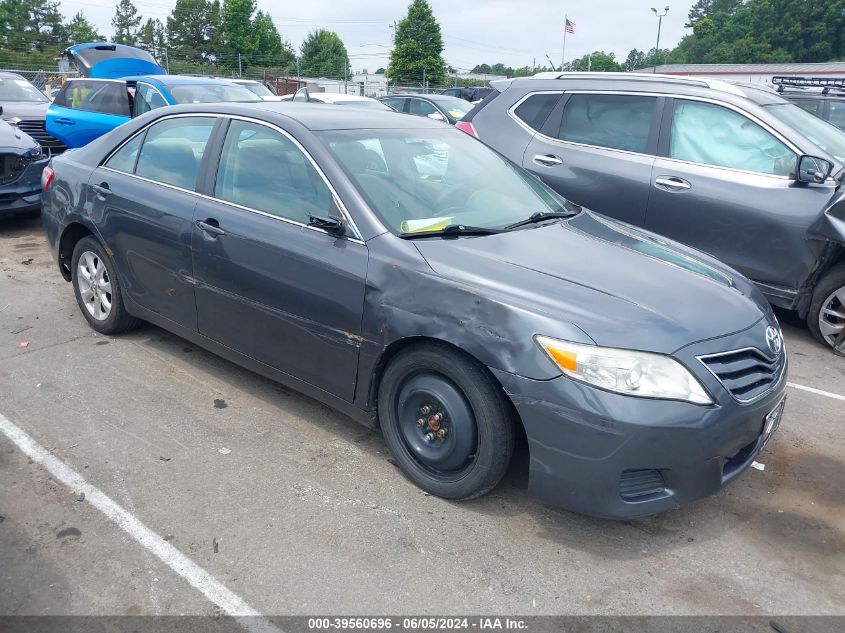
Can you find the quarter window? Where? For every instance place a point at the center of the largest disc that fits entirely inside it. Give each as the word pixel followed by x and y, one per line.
pixel 714 135
pixel 612 121
pixel 173 150
pixel 536 109
pixel 124 158
pixel 396 104
pixel 262 169
pixel 92 95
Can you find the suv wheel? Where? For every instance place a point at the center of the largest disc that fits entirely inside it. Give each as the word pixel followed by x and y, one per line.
pixel 826 318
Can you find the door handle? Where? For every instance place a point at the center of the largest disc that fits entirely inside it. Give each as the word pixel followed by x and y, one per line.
pixel 672 183
pixel 547 160
pixel 102 190
pixel 211 226
pixel 65 121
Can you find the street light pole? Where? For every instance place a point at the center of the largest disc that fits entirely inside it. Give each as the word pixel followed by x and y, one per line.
pixel 659 24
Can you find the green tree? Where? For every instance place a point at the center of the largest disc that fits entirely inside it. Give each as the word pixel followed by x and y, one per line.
pixel 237 28
pixel 79 30
pixel 271 49
pixel 417 47
pixel 323 54
pixel 194 30
pixel 125 22
pixel 152 36
pixel 598 61
pixel 635 60
pixel 31 25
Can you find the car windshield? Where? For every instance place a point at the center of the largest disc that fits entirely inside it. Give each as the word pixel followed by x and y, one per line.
pixel 821 133
pixel 422 180
pixel 259 89
pixel 211 93
pixel 456 108
pixel 17 89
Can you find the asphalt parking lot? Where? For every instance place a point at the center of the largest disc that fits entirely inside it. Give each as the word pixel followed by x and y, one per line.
pixel 295 509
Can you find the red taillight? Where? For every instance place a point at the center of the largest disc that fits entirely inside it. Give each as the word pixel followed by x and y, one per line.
pixel 47 178
pixel 466 126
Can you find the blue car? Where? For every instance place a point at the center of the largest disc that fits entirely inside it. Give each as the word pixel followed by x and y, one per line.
pixel 120 82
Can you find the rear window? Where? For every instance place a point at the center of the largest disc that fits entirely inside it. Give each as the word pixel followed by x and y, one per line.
pixel 211 93
pixel 535 109
pixel 611 121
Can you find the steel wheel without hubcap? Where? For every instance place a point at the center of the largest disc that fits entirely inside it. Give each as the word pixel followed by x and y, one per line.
pixel 436 425
pixel 832 319
pixel 94 285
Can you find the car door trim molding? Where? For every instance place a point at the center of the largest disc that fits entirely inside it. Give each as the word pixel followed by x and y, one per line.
pixel 336 198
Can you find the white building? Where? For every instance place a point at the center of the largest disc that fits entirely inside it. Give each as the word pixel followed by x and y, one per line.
pixel 754 73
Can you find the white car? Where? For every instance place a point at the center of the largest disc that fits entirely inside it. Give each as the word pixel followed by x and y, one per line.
pixel 258 88
pixel 335 98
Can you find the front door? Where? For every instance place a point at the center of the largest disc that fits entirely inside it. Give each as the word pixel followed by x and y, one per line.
pixel 85 109
pixel 269 285
pixel 144 198
pixel 725 185
pixel 597 150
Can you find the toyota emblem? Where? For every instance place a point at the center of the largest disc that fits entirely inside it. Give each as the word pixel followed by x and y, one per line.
pixel 774 340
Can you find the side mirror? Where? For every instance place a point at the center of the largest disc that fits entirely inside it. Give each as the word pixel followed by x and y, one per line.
pixel 813 169
pixel 436 116
pixel 326 222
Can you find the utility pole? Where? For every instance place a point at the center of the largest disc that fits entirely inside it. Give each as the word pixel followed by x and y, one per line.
pixel 563 52
pixel 240 67
pixel 345 87
pixel 425 85
pixel 659 24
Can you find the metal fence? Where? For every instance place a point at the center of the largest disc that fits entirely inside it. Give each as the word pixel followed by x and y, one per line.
pixel 45 80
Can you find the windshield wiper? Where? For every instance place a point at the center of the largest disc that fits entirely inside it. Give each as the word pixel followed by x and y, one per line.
pixel 453 230
pixel 540 216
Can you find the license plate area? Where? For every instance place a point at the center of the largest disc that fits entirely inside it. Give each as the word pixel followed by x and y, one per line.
pixel 772 421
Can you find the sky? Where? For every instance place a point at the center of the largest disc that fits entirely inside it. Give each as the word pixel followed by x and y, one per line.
pixel 514 32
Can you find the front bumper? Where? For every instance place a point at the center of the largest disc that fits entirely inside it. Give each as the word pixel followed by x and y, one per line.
pixel 605 454
pixel 23 194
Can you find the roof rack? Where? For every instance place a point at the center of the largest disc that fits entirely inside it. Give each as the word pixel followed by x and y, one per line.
pixel 688 80
pixel 825 83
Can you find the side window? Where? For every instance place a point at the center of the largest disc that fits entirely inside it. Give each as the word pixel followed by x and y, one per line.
pixel 396 104
pixel 147 98
pixel 714 135
pixel 95 95
pixel 124 159
pixel 173 149
pixel 535 109
pixel 264 170
pixel 612 121
pixel 421 108
pixel 810 105
pixel 837 114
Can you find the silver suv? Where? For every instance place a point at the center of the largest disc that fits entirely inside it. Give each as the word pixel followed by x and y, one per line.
pixel 733 170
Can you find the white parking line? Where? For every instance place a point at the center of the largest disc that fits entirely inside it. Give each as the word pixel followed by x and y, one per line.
pixel 210 587
pixel 818 392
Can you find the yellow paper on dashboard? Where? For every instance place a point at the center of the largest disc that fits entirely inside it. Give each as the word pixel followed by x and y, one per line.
pixel 425 224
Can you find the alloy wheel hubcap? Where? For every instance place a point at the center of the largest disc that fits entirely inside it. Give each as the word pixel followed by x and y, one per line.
pixel 832 319
pixel 94 284
pixel 437 424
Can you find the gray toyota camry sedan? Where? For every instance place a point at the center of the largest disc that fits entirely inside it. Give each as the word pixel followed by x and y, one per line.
pixel 405 274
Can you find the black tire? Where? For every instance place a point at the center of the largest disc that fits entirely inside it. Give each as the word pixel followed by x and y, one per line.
pixel 832 281
pixel 118 319
pixel 475 413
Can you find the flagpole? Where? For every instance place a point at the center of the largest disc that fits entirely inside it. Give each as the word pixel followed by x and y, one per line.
pixel 563 52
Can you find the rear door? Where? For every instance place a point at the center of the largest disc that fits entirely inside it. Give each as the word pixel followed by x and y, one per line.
pixel 724 183
pixel 147 97
pixel 597 149
pixel 86 109
pixel 144 196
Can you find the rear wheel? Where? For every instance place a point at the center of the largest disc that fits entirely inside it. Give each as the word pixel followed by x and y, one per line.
pixel 446 421
pixel 826 318
pixel 97 289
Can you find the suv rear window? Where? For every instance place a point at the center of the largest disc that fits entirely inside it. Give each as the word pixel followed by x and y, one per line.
pixel 95 95
pixel 535 109
pixel 612 121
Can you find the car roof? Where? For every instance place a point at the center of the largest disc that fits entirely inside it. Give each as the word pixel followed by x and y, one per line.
pixel 177 80
pixel 315 118
pixel 5 74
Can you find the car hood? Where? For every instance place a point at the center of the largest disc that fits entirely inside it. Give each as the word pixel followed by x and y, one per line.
pixel 24 110
pixel 622 286
pixel 13 140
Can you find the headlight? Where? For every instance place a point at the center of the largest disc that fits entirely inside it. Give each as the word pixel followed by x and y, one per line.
pixel 624 371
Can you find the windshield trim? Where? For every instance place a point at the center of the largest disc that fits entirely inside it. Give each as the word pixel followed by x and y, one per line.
pixel 771 109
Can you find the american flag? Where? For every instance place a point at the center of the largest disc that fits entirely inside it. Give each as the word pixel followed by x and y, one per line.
pixel 570 26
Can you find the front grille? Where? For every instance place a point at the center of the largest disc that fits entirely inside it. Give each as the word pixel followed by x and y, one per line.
pixel 11 166
pixel 748 373
pixel 639 485
pixel 35 128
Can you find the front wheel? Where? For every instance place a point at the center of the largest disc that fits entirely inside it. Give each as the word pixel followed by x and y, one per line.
pixel 826 318
pixel 446 421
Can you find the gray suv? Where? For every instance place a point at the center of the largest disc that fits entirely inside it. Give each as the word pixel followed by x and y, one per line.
pixel 730 169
